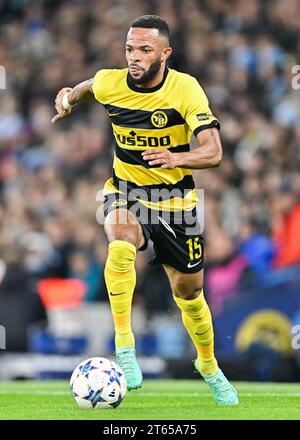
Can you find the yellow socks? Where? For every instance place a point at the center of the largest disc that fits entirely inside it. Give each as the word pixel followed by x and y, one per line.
pixel 197 320
pixel 120 278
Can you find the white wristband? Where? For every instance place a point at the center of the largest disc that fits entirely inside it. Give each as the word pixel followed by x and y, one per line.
pixel 65 103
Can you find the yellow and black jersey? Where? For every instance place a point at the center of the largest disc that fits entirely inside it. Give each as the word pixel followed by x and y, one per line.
pixel 164 116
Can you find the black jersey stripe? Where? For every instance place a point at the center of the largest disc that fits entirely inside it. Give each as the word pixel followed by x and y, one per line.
pixel 155 191
pixel 134 157
pixel 214 124
pixel 133 118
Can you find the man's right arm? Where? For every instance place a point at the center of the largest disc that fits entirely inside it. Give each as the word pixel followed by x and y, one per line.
pixel 68 97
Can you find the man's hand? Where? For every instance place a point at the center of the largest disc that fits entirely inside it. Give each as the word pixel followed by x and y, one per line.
pixel 162 157
pixel 61 111
pixel 208 154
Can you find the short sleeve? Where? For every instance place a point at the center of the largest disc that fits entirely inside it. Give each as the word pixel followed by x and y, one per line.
pixel 197 112
pixel 98 86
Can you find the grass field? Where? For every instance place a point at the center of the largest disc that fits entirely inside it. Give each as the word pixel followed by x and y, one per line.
pixel 157 400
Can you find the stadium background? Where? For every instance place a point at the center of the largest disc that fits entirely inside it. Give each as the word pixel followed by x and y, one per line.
pixel 242 52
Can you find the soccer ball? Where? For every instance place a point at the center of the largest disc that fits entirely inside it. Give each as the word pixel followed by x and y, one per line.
pixel 98 383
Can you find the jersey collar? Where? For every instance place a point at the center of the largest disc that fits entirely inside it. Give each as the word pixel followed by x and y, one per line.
pixel 133 87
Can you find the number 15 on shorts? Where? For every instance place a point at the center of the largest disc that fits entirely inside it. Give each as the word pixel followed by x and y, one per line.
pixel 195 250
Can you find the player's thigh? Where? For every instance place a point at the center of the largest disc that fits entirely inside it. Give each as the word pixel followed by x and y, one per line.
pixel 121 224
pixel 184 285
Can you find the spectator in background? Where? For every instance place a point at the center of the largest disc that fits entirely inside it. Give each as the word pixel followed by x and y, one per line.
pixel 286 226
pixel 226 270
pixel 84 267
pixel 20 304
pixel 256 247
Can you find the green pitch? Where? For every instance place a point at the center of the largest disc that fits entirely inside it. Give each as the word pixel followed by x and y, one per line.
pixel 165 400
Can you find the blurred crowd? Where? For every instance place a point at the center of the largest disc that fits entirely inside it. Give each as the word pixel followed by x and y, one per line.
pixel 241 51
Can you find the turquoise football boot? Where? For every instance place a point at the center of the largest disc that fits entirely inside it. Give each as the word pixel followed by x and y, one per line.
pixel 223 392
pixel 126 359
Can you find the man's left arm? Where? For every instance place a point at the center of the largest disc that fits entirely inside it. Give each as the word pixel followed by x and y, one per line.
pixel 208 153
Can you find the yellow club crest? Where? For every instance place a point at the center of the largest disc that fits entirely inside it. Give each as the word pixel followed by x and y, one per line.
pixel 159 119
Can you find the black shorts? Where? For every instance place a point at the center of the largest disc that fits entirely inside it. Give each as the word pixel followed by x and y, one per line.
pixel 177 238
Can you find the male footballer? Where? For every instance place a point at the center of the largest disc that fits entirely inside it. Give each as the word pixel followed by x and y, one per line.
pixel 153 111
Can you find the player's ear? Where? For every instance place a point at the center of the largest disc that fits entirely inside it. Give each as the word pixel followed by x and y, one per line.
pixel 166 53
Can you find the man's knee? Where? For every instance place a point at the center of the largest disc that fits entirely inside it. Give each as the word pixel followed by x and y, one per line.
pixel 122 234
pixel 119 225
pixel 121 256
pixel 187 286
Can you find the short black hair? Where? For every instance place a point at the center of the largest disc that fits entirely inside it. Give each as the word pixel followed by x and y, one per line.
pixel 152 22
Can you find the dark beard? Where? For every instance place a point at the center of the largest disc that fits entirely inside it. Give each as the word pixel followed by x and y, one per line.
pixel 147 76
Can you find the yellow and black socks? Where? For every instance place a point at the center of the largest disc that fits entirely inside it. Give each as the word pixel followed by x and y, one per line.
pixel 120 278
pixel 197 320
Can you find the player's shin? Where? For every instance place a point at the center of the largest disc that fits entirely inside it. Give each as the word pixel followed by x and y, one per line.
pixel 120 278
pixel 197 320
